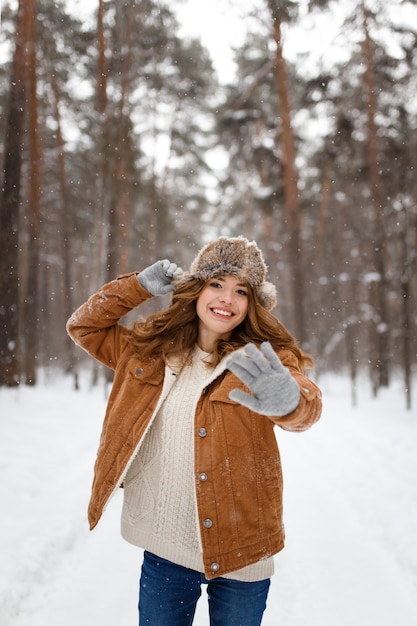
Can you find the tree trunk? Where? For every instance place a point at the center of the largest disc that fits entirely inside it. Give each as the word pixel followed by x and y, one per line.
pixel 101 226
pixel 65 231
pixel 292 200
pixel 102 63
pixel 31 312
pixel 119 210
pixel 9 210
pixel 406 324
pixel 379 365
pixel 407 265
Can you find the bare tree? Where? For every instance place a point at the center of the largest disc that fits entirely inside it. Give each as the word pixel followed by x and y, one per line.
pixel 9 208
pixel 278 10
pixel 31 309
pixel 380 329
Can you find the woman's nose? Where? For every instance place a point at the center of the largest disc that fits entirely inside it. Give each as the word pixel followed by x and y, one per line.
pixel 226 296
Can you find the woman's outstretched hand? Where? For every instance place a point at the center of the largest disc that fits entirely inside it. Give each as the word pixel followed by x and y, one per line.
pixel 274 391
pixel 157 278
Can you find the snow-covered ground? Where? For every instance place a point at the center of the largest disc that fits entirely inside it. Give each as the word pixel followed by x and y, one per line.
pixel 350 512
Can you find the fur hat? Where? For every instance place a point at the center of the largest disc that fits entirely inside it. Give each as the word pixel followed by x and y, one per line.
pixel 233 256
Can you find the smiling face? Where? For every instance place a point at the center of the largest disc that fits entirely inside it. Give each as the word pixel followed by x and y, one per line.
pixel 221 307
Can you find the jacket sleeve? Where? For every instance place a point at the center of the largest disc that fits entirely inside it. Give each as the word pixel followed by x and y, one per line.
pixel 95 326
pixel 309 408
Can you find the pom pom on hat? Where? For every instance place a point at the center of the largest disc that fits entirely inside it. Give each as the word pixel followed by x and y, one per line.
pixel 267 295
pixel 234 256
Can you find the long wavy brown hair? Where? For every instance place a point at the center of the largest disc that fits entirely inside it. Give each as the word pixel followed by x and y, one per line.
pixel 173 332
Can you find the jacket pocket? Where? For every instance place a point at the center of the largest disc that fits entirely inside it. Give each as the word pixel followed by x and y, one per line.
pixel 139 370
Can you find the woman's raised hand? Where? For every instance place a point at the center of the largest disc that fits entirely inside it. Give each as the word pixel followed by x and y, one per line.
pixel 158 277
pixel 274 391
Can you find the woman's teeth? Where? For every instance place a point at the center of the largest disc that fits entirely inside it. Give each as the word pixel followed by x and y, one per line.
pixel 221 312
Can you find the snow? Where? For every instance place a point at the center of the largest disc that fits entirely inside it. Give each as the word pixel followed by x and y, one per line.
pixel 350 514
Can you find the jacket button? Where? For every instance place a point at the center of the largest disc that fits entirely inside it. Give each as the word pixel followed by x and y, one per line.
pixel 202 432
pixel 208 523
pixel 214 567
pixel 203 477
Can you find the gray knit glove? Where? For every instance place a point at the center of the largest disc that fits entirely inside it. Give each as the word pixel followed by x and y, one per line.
pixel 157 277
pixel 275 392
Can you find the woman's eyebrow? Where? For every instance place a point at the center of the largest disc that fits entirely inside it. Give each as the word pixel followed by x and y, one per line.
pixel 223 280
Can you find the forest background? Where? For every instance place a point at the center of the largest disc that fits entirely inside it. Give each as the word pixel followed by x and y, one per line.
pixel 120 146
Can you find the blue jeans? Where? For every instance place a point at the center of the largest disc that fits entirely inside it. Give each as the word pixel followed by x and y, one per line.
pixel 169 593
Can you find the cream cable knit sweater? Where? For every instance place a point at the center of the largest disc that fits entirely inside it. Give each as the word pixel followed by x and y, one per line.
pixel 160 509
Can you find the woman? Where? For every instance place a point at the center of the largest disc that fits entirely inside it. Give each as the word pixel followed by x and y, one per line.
pixel 189 429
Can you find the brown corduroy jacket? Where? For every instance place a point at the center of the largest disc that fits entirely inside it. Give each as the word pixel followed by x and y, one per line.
pixel 238 476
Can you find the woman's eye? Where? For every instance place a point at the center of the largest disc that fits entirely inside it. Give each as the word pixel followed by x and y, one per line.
pixel 242 292
pixel 214 284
